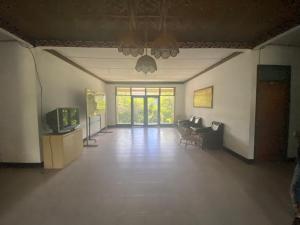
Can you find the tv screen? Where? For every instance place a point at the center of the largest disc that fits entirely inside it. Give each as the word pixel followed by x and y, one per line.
pixel 62 120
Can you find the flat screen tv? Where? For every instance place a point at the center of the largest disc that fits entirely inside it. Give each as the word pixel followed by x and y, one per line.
pixel 62 120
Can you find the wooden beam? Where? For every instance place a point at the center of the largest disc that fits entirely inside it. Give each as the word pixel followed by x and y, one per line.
pixel 69 61
pixel 214 65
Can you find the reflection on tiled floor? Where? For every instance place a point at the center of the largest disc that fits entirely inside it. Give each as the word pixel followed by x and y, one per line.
pixel 143 176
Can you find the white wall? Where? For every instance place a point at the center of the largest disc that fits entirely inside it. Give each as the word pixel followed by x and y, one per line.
pixel 20 98
pixel 279 55
pixel 19 139
pixel 111 99
pixel 64 85
pixel 233 84
pixel 235 96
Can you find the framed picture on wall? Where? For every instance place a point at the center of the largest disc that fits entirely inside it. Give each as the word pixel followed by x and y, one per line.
pixel 203 98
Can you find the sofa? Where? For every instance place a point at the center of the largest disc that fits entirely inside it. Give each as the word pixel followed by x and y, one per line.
pixel 210 137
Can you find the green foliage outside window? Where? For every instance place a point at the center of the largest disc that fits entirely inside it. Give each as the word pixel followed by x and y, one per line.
pixel 123 109
pixel 139 111
pixel 166 106
pixel 166 109
pixel 152 110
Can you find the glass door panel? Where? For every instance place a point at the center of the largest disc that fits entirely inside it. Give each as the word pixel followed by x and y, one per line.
pixel 152 111
pixel 123 105
pixel 138 110
pixel 167 105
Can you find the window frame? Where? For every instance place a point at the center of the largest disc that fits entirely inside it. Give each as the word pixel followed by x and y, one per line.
pixel 145 102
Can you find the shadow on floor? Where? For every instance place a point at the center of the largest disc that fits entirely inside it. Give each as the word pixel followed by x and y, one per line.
pixel 17 183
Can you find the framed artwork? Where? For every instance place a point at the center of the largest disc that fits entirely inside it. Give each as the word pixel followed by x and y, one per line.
pixel 203 98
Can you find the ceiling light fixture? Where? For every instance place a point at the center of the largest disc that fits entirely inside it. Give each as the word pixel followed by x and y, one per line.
pixel 131 43
pixel 146 63
pixel 165 45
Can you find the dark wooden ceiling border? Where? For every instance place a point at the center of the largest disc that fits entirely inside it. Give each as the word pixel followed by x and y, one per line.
pixel 288 16
pixel 69 61
pixel 215 65
pixel 113 44
pixel 277 31
pixel 14 30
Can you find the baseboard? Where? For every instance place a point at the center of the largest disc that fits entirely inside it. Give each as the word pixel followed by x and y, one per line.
pixel 238 156
pixel 21 165
pixel 130 126
pixel 120 126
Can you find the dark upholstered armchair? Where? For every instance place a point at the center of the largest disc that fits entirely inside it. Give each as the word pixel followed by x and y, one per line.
pixel 186 130
pixel 192 122
pixel 211 137
pixel 197 123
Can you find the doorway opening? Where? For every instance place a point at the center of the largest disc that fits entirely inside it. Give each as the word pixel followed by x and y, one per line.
pixel 145 106
pixel 272 112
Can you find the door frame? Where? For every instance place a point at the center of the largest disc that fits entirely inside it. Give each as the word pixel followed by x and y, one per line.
pixel 289 76
pixel 145 96
pixel 145 110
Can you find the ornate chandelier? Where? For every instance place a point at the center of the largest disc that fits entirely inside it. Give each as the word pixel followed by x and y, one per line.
pixel 131 43
pixel 165 45
pixel 146 63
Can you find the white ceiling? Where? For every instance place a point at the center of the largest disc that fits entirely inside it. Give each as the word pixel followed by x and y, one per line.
pixel 110 65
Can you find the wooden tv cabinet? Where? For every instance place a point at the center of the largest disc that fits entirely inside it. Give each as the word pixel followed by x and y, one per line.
pixel 60 150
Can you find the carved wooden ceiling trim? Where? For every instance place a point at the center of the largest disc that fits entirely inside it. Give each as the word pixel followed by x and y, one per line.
pixel 196 24
pixel 106 44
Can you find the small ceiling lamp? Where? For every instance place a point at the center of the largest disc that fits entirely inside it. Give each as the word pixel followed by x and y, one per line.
pixel 131 43
pixel 146 63
pixel 165 45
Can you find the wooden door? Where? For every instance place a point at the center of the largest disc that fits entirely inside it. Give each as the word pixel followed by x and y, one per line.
pixel 272 113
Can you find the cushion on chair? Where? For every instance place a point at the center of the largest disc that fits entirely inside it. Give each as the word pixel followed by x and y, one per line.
pixel 192 118
pixel 197 120
pixel 215 127
pixel 197 123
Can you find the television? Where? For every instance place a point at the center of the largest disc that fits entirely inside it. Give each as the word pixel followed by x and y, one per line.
pixel 63 120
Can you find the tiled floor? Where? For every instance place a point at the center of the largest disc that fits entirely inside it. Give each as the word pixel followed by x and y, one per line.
pixel 142 176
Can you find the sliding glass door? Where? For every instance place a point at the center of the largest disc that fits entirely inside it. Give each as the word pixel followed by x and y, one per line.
pixel 138 108
pixel 152 110
pixel 145 106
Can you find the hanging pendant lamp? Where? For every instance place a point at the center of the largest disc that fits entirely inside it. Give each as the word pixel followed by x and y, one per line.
pixel 165 45
pixel 131 43
pixel 146 63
